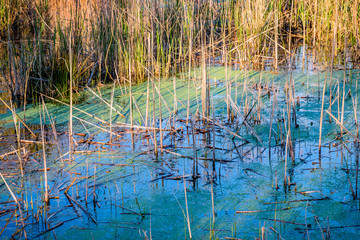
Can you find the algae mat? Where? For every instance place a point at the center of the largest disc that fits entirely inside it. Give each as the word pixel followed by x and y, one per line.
pixel 123 191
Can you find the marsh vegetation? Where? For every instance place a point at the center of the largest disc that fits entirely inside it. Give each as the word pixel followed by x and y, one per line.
pixel 179 119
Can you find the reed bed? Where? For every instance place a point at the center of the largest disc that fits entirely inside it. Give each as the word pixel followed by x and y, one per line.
pixel 163 37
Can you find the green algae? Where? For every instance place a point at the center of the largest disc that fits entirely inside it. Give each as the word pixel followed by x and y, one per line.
pixel 305 85
pixel 129 178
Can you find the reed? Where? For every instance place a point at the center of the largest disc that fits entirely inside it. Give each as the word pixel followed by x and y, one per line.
pixel 322 115
pixel 187 216
pixel 42 118
pixel 71 99
pixel 111 110
pixel 18 137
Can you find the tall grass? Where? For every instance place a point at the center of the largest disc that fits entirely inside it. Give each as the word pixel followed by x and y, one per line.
pixel 108 34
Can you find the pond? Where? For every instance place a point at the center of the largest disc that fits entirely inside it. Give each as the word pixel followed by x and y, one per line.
pixel 232 175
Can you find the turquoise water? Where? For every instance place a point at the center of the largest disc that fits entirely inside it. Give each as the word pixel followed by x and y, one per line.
pixel 132 194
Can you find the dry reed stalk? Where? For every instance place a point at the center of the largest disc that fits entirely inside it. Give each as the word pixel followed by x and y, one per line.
pixel 15 199
pixel 81 207
pixel 53 127
pixel 246 104
pixel 18 138
pixel 227 130
pixel 228 94
pixel 290 105
pixel 188 104
pixel 276 37
pixel 212 19
pixel 147 103
pixel 251 129
pixel 341 125
pixel 160 117
pixel 243 92
pixel 355 104
pixel 357 171
pixel 212 198
pixel 87 180
pixel 344 80
pixel 94 184
pixel 304 34
pixel 204 99
pixel 175 109
pixel 71 98
pixel 148 129
pixel 286 156
pixel 271 122
pixel 46 198
pixel 17 116
pixel 195 173
pixel 290 32
pixel 175 101
pixel 190 32
pixel 141 116
pixel 154 117
pixel 77 109
pixel 258 120
pixel 186 207
pixel 178 100
pixel 11 152
pixel 103 129
pixel 275 103
pixel 12 68
pixel 18 154
pixel 111 104
pixel 213 132
pixel 343 106
pixel 291 90
pixel 158 90
pixel 315 22
pixel 204 81
pixel 333 54
pixel 322 115
pixel 338 97
pixel 130 92
pixel 151 78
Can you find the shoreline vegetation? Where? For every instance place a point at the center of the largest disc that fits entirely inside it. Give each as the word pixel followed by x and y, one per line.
pixel 131 41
